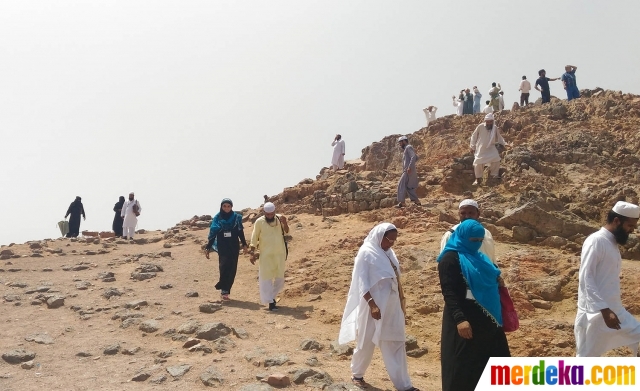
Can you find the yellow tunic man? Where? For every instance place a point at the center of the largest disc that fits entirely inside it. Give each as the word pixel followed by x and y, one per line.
pixel 268 238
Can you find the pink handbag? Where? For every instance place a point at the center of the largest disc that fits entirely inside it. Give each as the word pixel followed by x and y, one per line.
pixel 510 321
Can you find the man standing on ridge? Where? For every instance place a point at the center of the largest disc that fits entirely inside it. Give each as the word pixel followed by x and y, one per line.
pixel 524 89
pixel 337 161
pixel 494 94
pixel 484 145
pixel 477 100
pixel 469 209
pixel 268 238
pixel 467 107
pixel 130 212
pixel 409 179
pixel 543 83
pixel 569 82
pixel 430 113
pixel 602 323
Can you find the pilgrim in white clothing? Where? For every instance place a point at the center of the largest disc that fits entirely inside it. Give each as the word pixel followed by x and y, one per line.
pixel 599 288
pixel 459 105
pixel 430 113
pixel 130 216
pixel 374 285
pixel 483 143
pixel 337 161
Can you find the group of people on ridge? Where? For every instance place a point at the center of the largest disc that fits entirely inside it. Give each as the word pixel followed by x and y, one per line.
pixel 125 219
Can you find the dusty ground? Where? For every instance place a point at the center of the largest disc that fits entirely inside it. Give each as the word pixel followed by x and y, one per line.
pixel 319 270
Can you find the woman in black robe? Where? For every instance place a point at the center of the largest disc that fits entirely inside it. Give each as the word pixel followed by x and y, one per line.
pixel 472 317
pixel 225 235
pixel 75 210
pixel 117 219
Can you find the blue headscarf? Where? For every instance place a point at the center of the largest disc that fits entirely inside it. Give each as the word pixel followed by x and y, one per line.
pixel 480 274
pixel 224 222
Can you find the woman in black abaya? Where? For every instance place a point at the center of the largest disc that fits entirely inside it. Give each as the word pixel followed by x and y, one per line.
pixel 117 219
pixel 75 210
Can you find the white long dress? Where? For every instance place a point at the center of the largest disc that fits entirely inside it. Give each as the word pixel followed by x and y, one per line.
pixel 130 218
pixel 483 142
pixel 599 288
pixel 337 161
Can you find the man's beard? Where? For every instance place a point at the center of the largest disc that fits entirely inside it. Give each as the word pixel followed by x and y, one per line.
pixel 621 235
pixel 489 126
pixel 130 198
pixel 270 220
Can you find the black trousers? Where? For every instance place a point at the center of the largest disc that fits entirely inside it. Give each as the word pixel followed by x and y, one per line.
pixel 546 96
pixel 524 99
pixel 228 265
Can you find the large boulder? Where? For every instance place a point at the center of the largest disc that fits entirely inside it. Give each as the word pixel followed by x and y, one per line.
pixel 561 223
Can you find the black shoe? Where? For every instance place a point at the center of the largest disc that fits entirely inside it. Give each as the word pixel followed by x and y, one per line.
pixel 272 306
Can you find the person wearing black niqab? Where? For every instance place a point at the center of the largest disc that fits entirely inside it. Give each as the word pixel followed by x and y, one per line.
pixel 117 219
pixel 75 210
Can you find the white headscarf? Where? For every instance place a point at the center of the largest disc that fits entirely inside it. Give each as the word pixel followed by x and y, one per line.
pixel 371 265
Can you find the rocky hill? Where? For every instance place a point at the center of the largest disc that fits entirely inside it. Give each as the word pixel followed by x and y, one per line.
pixel 96 313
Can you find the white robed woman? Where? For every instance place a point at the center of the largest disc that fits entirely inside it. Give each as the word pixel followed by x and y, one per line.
pixel 374 315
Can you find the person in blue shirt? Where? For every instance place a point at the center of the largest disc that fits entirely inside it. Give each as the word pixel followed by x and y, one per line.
pixel 542 85
pixel 569 82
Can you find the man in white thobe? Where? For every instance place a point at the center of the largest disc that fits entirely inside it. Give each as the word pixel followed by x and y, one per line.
pixel 130 212
pixel 268 238
pixel 488 109
pixel 430 113
pixel 469 209
pixel 483 144
pixel 337 161
pixel 458 104
pixel 602 323
pixel 501 100
pixel 373 315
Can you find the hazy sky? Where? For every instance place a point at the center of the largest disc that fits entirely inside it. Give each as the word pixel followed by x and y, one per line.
pixel 187 102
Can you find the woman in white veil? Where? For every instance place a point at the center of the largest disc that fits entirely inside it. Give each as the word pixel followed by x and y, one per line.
pixel 374 313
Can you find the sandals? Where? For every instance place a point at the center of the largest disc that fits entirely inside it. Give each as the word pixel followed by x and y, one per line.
pixel 359 382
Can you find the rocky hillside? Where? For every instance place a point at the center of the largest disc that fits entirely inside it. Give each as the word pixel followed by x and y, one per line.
pixel 100 313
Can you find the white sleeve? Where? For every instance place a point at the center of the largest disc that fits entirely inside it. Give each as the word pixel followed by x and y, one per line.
pixel 590 257
pixel 474 139
pixel 444 240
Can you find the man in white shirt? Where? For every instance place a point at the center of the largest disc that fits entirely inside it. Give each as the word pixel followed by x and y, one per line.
pixel 484 145
pixel 469 209
pixel 430 113
pixel 602 323
pixel 488 109
pixel 524 89
pixel 501 101
pixel 130 212
pixel 458 104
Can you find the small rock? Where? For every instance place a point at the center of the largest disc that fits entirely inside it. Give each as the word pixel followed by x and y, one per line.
pixel 83 354
pixel 240 333
pixel 142 276
pixel 312 361
pixel 165 254
pixel 130 322
pixel 109 293
pixel 18 356
pixel 165 354
pixel 131 351
pixel 341 350
pixel 257 387
pixel 44 339
pixel 189 328
pixel 178 370
pixel 149 326
pixel 190 342
pixel 310 344
pixel 418 352
pixel 276 360
pixel 278 380
pixel 136 303
pixel 223 344
pixel 211 377
pixel 158 379
pixel 27 365
pixel 210 308
pixel 213 331
pixel 55 302
pixel 83 285
pixel 166 286
pixel 192 294
pixel 141 376
pixel 542 304
pixel 112 349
